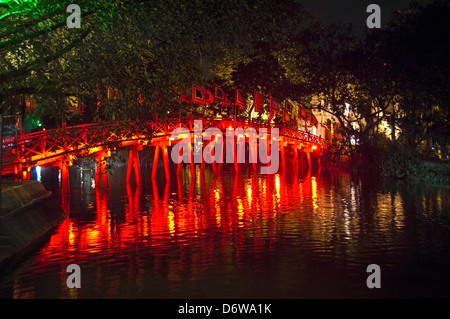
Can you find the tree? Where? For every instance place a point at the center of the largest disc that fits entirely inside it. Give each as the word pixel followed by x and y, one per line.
pixel 398 74
pixel 329 63
pixel 36 47
pixel 139 48
pixel 416 48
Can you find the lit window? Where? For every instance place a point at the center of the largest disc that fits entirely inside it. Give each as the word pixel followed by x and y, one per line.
pixel 347 108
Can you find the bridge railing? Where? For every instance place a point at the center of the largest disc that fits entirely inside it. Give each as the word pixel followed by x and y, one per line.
pixel 224 123
pixel 75 139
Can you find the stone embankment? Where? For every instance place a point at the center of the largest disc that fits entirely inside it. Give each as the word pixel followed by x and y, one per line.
pixel 28 212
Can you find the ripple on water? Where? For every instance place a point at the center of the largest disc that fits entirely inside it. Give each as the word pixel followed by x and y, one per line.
pixel 228 236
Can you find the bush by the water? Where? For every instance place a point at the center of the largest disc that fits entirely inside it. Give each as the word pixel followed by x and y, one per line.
pixel 406 165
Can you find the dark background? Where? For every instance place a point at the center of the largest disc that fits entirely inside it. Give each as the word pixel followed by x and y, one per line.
pixel 354 11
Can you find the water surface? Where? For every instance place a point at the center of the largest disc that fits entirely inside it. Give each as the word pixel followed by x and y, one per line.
pixel 305 234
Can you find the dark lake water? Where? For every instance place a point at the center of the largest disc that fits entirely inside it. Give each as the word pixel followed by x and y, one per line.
pixel 306 234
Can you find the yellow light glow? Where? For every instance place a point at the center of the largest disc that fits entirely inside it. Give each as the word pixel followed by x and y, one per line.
pixel 217 206
pixel 171 222
pixel 71 236
pixel 314 192
pixel 249 195
pixel 217 195
pixel 277 197
pixel 93 239
pixel 240 212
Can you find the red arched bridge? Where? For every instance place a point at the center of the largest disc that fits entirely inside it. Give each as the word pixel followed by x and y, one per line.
pixel 59 147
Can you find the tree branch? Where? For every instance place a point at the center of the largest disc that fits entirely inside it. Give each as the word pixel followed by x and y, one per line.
pixel 37 33
pixel 22 24
pixel 35 20
pixel 31 65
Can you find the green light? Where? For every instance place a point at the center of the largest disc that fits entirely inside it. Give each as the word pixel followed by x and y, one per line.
pixel 18 5
pixel 18 1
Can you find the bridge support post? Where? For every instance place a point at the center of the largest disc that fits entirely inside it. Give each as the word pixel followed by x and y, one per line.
pixel 295 158
pixel 180 161
pixel 212 151
pixel 190 154
pixel 137 166
pixel 18 172
pixel 166 162
pixel 239 155
pixel 208 146
pixel 202 165
pixel 134 160
pixel 191 160
pixel 130 165
pixel 236 164
pixel 65 201
pixel 102 172
pixel 220 155
pixel 308 157
pixel 180 189
pixel 65 182
pixel 155 161
pixel 26 173
pixel 254 156
pixel 283 156
pixel 268 143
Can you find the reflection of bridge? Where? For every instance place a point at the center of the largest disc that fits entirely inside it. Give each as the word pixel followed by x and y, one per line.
pixel 59 147
pixel 181 215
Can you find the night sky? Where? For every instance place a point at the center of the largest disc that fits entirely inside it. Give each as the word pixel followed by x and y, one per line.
pixel 354 11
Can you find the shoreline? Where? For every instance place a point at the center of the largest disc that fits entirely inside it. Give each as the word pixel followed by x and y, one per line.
pixel 28 212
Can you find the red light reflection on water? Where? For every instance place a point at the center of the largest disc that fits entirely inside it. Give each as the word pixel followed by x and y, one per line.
pixel 226 235
pixel 212 215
